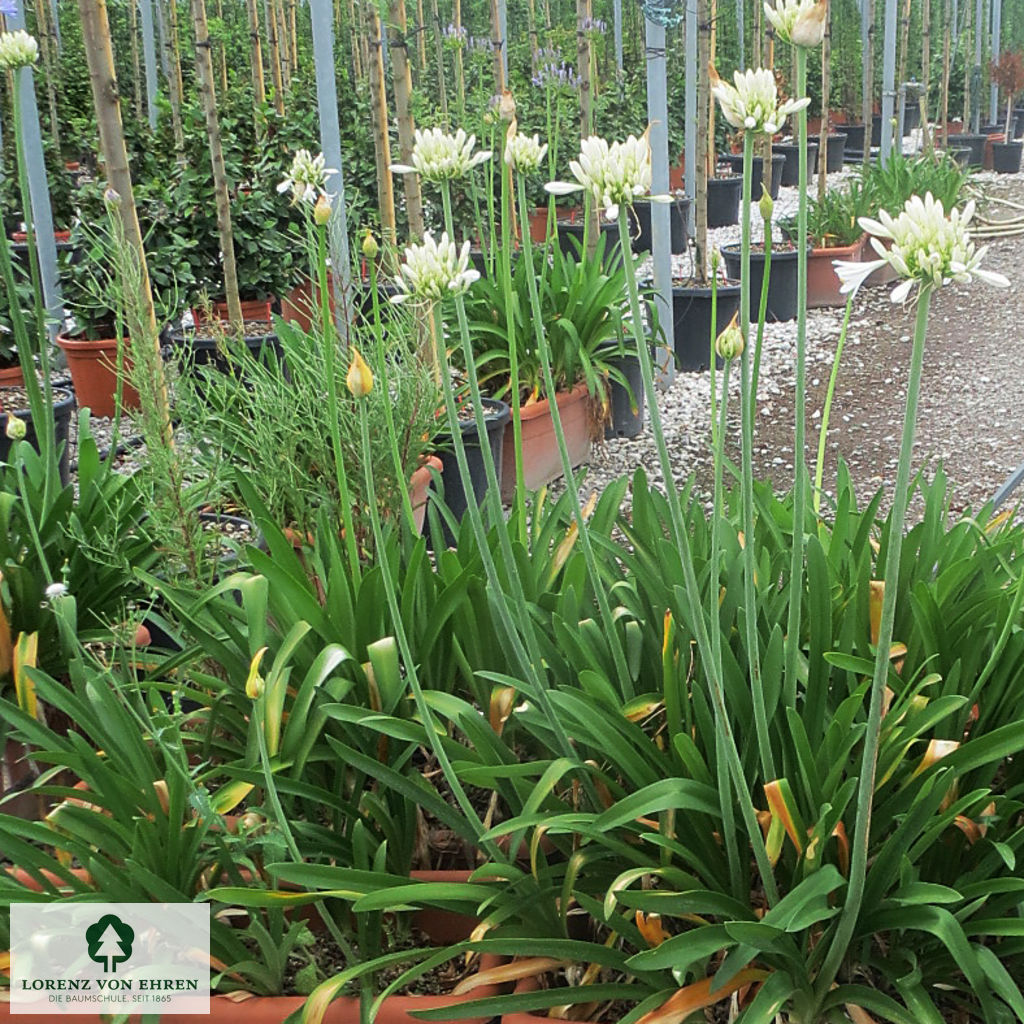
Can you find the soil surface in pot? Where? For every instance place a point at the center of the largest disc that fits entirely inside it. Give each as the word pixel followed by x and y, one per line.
pixel 251 328
pixel 13 399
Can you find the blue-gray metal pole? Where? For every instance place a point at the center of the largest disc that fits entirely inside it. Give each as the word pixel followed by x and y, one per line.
pixel 741 32
pixel 38 188
pixel 889 80
pixel 322 18
pixel 997 25
pixel 503 26
pixel 690 103
pixel 979 35
pixel 661 225
pixel 617 27
pixel 56 24
pixel 149 57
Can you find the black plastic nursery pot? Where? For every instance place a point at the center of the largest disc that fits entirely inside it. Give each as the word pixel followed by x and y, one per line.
pixel 790 151
pixel 975 143
pixel 735 164
pixel 640 225
pixel 1006 157
pixel 835 151
pixel 782 279
pixel 1018 124
pixel 496 417
pixel 724 201
pixel 63 406
pixel 194 350
pixel 691 315
pixel 960 154
pixel 911 116
pixel 854 138
pixel 570 237
pixel 627 406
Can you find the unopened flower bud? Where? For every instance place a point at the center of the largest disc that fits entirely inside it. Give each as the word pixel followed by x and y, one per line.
pixel 322 210
pixel 767 206
pixel 507 105
pixel 730 343
pixel 716 261
pixel 370 246
pixel 360 377
pixel 15 429
pixel 809 27
pixel 254 684
pixel 112 197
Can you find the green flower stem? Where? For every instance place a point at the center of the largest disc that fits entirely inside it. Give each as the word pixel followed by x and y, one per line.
pixel 389 416
pixel 512 321
pixel 681 536
pixel 869 760
pixel 612 634
pixel 762 315
pixel 433 736
pixel 753 641
pixel 819 468
pixel 330 362
pixel 796 575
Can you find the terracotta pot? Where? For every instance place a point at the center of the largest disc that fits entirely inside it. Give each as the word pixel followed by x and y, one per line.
pixel 93 366
pixel 419 484
pixel 60 237
pixel 541 460
pixel 12 377
pixel 992 137
pixel 252 309
pixel 16 773
pixel 523 986
pixel 822 282
pixel 539 224
pixel 300 306
pixel 72 165
pixel 883 275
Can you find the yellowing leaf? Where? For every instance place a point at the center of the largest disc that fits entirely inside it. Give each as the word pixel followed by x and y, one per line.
pixel 695 997
pixel 529 968
pixel 937 749
pixel 782 806
pixel 875 599
pixel 26 654
pixel 651 928
pixel 502 699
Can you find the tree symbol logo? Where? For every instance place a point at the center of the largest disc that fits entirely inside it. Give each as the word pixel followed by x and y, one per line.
pixel 110 942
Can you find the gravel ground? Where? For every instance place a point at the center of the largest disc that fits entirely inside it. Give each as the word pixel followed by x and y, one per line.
pixel 971 396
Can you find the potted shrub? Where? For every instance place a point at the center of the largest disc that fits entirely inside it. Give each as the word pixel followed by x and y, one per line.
pixel 1008 73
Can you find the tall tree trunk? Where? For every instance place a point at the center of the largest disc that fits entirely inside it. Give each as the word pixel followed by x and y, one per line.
pixel 357 40
pixel 223 61
pixel 175 46
pixel 283 44
pixel 531 28
pixel 275 58
pixel 967 38
pixel 460 66
pixel 583 15
pixel 293 34
pixel 48 45
pixel 947 39
pixel 868 88
pixel 381 140
pixel 499 43
pixel 700 255
pixel 259 89
pixel 826 88
pixel 712 54
pixel 901 67
pixel 133 28
pixel 173 81
pixel 402 78
pixel 442 93
pixel 208 95
pixel 107 102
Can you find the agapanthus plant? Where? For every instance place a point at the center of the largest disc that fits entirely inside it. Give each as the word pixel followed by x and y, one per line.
pixel 441 156
pixel 753 103
pixel 800 22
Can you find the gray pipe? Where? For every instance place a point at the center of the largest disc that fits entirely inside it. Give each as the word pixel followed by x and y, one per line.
pixel 889 80
pixel 149 57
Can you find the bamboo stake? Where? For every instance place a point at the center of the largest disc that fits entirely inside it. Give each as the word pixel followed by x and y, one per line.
pixel 283 45
pixel 926 53
pixel 421 35
pixel 357 40
pixel 381 140
pixel 293 33
pixel 460 66
pixel 47 46
pixel 901 68
pixel 275 59
pixel 531 28
pixel 967 37
pixel 947 33
pixel 173 81
pixel 175 47
pixel 402 77
pixel 106 99
pixel 712 54
pixel 259 89
pixel 442 94
pixel 498 42
pixel 868 81
pixel 700 239
pixel 208 95
pixel 583 14
pixel 133 28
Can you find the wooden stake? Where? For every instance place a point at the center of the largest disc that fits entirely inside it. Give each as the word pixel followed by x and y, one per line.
pixel 421 35
pixel 208 95
pixel 868 97
pixel 826 88
pixel 381 140
pixel 223 61
pixel 700 188
pixel 402 78
pixel 442 93
pixel 133 28
pixel 926 53
pixel 173 79
pixel 259 89
pixel 275 58
pixel 460 67
pixel 496 39
pixel 106 100
pixel 947 32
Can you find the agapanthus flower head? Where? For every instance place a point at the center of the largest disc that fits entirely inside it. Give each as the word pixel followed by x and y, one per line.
pixel 433 270
pixel 523 153
pixel 553 72
pixel 925 247
pixel 752 102
pixel 614 174
pixel 17 50
pixel 307 179
pixel 801 22
pixel 441 156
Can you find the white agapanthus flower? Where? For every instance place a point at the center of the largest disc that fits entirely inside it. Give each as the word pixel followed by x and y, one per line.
pixel 798 21
pixel 752 103
pixel 55 590
pixel 925 247
pixel 614 174
pixel 524 153
pixel 438 156
pixel 433 270
pixel 17 50
pixel 307 179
